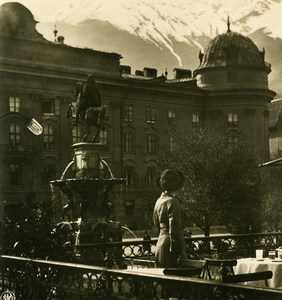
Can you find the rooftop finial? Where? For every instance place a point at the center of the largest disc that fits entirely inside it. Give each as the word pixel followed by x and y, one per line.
pixel 55 33
pixel 228 24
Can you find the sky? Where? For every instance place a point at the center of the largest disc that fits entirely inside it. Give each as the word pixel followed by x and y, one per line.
pixel 119 11
pixel 186 16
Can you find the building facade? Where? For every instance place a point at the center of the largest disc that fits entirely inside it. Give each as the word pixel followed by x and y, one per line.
pixel 228 91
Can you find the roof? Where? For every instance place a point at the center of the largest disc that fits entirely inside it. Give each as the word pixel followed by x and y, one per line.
pixel 234 49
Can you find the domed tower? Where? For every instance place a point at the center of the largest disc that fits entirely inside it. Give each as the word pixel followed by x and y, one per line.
pixel 18 22
pixel 234 74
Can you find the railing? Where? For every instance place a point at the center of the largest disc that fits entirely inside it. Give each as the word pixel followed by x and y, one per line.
pixel 235 245
pixel 224 246
pixel 39 279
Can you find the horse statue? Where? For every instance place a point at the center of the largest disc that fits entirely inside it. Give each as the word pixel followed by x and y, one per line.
pixel 87 108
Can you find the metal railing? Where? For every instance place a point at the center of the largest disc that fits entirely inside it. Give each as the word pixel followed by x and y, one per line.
pixel 223 246
pixel 39 279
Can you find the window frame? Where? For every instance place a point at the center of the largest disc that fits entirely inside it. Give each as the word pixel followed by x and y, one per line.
pixel 14 103
pixel 232 121
pixel 196 120
pixel 129 175
pixel 48 136
pixel 171 117
pixel 128 114
pixel 150 115
pixel 151 143
pixel 15 135
pixel 128 142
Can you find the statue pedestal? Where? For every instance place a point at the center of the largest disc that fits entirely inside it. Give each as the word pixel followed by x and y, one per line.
pixel 88 163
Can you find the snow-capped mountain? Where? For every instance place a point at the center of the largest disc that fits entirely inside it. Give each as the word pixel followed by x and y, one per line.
pixel 161 33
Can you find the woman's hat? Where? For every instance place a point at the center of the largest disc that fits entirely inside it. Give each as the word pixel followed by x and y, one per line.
pixel 171 180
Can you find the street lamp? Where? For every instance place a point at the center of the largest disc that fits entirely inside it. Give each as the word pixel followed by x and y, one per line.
pixel 33 125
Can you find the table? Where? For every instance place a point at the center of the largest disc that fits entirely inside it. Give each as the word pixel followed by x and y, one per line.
pixel 250 265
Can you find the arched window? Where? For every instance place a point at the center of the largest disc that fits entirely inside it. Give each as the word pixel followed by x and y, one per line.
pixel 15 134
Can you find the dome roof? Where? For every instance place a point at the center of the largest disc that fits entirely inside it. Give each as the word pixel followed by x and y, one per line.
pixel 231 49
pixel 16 20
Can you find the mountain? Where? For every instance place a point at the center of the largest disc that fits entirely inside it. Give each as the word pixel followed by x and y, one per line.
pixel 163 34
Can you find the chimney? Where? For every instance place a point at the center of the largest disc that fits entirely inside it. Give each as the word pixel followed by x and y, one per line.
pixel 61 39
pixel 182 73
pixel 150 72
pixel 125 69
pixel 139 73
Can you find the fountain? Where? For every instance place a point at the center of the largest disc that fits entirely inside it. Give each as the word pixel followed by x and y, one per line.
pixel 86 185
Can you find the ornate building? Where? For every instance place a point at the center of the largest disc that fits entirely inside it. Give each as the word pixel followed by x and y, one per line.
pixel 229 90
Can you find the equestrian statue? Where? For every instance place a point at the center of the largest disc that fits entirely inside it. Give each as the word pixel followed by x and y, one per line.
pixel 87 108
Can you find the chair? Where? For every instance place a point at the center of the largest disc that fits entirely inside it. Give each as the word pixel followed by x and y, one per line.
pixel 190 263
pixel 248 277
pixel 187 267
pixel 217 268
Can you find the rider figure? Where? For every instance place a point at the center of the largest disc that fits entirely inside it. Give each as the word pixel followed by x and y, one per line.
pixel 88 97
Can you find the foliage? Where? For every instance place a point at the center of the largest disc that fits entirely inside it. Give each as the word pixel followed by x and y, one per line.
pixel 27 231
pixel 222 180
pixel 272 194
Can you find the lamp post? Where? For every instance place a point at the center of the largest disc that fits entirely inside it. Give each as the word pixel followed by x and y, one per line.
pixel 31 124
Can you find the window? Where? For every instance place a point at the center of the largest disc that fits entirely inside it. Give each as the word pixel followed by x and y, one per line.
pixel 233 119
pixel 76 135
pixel 171 143
pixel 14 103
pixel 49 173
pixel 103 137
pixel 48 132
pixel 128 113
pixel 128 142
pixel 16 174
pixel 171 117
pixel 151 143
pixel 150 115
pixel 106 108
pixel 129 207
pixel 48 107
pixel 129 175
pixel 195 120
pixel 151 176
pixel 15 134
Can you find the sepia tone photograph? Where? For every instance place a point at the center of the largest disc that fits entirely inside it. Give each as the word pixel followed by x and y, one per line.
pixel 140 149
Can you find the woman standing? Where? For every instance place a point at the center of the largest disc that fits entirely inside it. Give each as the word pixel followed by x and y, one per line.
pixel 168 220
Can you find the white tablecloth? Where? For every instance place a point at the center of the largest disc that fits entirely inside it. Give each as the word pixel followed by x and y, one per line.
pixel 250 265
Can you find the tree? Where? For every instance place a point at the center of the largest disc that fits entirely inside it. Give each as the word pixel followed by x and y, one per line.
pixel 222 180
pixel 272 194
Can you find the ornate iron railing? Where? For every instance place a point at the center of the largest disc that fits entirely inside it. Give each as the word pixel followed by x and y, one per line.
pixel 225 246
pixel 39 279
